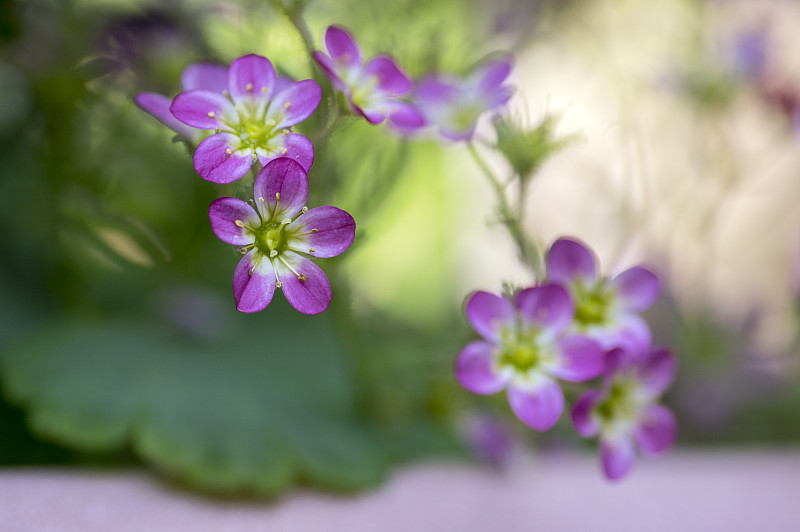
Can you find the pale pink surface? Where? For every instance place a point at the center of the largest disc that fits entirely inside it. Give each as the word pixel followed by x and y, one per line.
pixel 684 491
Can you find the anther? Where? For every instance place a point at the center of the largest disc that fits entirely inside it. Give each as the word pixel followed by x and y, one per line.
pixel 285 131
pixel 278 284
pixel 226 93
pixel 286 105
pixel 273 253
pixel 261 199
pixel 250 272
pixel 315 230
pixel 311 250
pixel 211 114
pixel 239 223
pixel 302 277
pixel 304 210
pixel 271 122
pixel 286 221
pixel 228 151
pixel 264 90
pixel 277 196
pixel 249 87
pixel 284 150
pixel 217 130
pixel 254 157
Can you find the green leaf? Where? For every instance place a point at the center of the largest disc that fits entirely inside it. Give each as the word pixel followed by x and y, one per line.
pixel 256 412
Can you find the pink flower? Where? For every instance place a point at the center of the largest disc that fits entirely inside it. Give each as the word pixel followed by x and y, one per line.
pixel 277 234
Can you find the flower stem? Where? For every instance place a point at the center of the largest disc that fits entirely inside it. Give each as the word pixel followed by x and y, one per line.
pixel 528 253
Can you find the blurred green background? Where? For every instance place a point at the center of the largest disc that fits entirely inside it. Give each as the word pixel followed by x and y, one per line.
pixel 119 340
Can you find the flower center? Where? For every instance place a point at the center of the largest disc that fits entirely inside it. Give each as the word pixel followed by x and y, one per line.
pixel 620 407
pixel 591 305
pixel 271 237
pixel 521 357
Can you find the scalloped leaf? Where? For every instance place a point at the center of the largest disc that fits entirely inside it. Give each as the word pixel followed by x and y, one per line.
pixel 256 412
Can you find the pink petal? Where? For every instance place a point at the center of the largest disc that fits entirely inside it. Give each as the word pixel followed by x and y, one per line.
pixel 540 407
pixel 200 108
pixel 581 359
pixel 213 162
pixel 547 306
pixel 569 260
pixel 585 423
pixel 253 291
pixel 327 66
pixel 656 371
pixel 335 232
pixel 158 105
pixel 638 288
pixel 342 47
pixel 309 296
pixel 489 315
pixel 206 76
pixel 491 74
pixel 251 75
pixel 391 79
pixel 618 457
pixel 295 103
pixel 224 213
pixel 405 117
pixel 657 430
pixel 298 148
pixel 474 369
pixel 630 333
pixel 283 183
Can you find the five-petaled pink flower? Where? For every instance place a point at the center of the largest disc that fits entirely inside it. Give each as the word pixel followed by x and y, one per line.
pixel 249 119
pixel 606 310
pixel 524 349
pixel 626 409
pixel 454 105
pixel 277 234
pixel 373 90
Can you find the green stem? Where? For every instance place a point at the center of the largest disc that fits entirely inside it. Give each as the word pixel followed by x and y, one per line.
pixel 295 16
pixel 511 219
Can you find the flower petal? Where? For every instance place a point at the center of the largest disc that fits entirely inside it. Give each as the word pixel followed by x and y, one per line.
pixel 253 291
pixel 657 431
pixel 342 47
pixel 656 371
pixel 251 75
pixel 618 457
pixel 585 423
pixel 335 232
pixel 213 162
pixel 206 76
pixel 434 91
pixel 547 306
pixel 309 296
pixel 298 148
pixel 538 407
pixel 404 117
pixel 281 83
pixel 327 66
pixel 491 74
pixel 489 315
pixel 569 260
pixel 582 359
pixel 630 333
pixel 224 213
pixel 200 108
pixel 295 103
pixel 637 287
pixel 283 183
pixel 158 105
pixel 474 369
pixel 391 79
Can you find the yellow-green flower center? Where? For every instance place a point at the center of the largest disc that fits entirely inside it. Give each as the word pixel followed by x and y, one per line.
pixel 521 357
pixel 592 305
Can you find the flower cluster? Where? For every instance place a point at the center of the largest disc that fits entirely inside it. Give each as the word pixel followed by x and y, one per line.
pixel 574 326
pixel 245 112
pixel 378 90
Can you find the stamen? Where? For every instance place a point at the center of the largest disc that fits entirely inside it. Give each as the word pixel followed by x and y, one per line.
pixel 286 221
pixel 304 210
pixel 284 150
pixel 261 199
pixel 286 105
pixel 285 131
pixel 239 223
pixel 311 250
pixel 211 114
pixel 291 269
pixel 264 90
pixel 271 122
pixel 226 93
pixel 277 196
pixel 273 253
pixel 249 87
pixel 217 130
pixel 278 284
pixel 254 157
pixel 315 230
pixel 229 151
pixel 302 277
